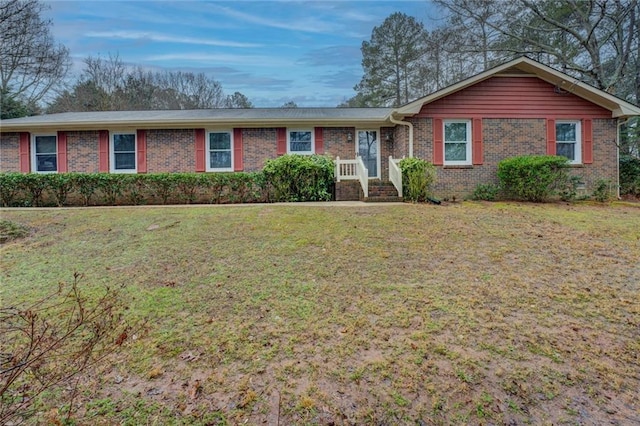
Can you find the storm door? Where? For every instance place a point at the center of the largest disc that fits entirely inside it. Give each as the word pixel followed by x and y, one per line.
pixel 368 147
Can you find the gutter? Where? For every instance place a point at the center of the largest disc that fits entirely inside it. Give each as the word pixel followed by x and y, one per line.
pixel 408 124
pixel 620 123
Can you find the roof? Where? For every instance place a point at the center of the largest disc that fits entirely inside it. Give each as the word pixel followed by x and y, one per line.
pixel 619 108
pixel 250 117
pixel 270 117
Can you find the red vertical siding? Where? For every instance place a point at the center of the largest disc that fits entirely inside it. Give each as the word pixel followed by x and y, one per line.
pixel 141 140
pixel 238 149
pixel 551 137
pixel 103 151
pixel 319 140
pixel 24 152
pixel 281 137
pixel 438 143
pixel 510 97
pixel 476 147
pixel 587 141
pixel 200 150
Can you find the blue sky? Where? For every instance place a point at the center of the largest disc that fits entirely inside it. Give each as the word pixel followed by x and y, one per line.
pixel 272 51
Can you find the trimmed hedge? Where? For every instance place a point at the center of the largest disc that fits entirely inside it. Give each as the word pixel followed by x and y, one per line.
pixel 534 177
pixel 295 177
pixel 59 189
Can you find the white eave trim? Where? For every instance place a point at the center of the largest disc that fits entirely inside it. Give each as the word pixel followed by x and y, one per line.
pixel 191 124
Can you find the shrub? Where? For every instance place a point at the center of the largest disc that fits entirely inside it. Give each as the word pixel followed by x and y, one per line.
pixel 60 184
pixel 417 178
pixel 162 185
pixel 35 184
pixel 87 184
pixel 601 193
pixel 11 184
pixel 629 175
pixel 486 192
pixel 568 188
pixel 533 177
pixel 112 186
pixel 136 188
pixel 296 177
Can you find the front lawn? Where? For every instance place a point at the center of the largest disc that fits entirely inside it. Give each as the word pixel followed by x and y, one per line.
pixel 476 313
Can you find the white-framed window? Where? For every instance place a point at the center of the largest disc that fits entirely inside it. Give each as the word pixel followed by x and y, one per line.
pixel 124 157
pixel 44 153
pixel 457 142
pixel 568 140
pixel 219 151
pixel 300 141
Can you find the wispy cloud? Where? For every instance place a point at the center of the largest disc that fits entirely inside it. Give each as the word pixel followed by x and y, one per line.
pixel 163 38
pixel 220 58
pixel 303 24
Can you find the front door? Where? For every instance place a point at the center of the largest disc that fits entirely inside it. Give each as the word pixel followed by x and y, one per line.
pixel 368 147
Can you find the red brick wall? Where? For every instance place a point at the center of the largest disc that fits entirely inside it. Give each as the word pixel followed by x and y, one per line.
pixel 171 151
pixel 508 137
pixel 260 145
pixel 336 143
pixel 82 151
pixel 9 152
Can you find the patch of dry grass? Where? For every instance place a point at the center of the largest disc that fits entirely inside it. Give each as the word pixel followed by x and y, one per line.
pixel 465 313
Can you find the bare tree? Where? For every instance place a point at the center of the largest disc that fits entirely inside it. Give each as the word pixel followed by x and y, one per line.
pixel 50 343
pixel 109 84
pixel 31 63
pixel 594 40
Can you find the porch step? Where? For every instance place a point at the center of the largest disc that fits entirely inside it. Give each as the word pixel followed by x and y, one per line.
pixel 381 193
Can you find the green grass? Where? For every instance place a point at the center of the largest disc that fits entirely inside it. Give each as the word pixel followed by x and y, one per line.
pixel 372 314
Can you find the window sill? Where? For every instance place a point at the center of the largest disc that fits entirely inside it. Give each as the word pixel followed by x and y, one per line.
pixel 459 166
pixel 123 171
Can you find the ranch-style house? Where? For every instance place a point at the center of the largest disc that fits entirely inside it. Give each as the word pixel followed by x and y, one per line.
pixel 520 107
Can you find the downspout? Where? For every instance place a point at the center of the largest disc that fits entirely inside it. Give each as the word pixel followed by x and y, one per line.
pixel 620 123
pixel 408 124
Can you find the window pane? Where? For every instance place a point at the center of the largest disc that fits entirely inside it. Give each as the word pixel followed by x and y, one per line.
pixel 124 143
pixel 125 161
pixel 455 132
pixel 566 150
pixel 300 136
pixel 220 160
pixel 455 151
pixel 300 141
pixel 368 150
pixel 46 144
pixel 566 132
pixel 219 141
pixel 46 163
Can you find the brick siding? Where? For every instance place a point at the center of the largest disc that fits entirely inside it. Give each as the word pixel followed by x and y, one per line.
pixel 171 151
pixel 82 151
pixel 9 152
pixel 509 137
pixel 260 145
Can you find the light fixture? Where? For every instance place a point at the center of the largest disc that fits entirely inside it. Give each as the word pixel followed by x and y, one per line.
pixel 389 137
pixel 349 137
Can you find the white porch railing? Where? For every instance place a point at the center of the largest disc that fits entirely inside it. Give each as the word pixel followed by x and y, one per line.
pixel 395 174
pixel 353 170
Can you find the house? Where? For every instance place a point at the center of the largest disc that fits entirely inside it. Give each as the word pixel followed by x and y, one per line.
pixel 520 107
